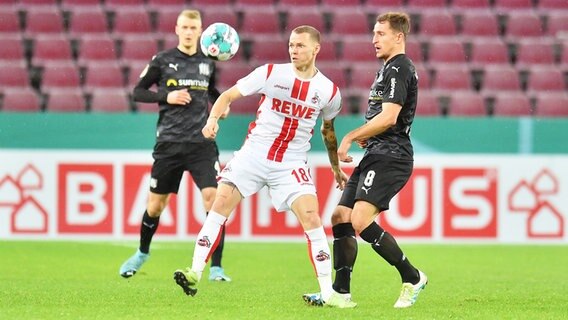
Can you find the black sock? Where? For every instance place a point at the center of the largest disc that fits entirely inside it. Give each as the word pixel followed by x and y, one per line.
pixel 147 229
pixel 218 253
pixel 385 245
pixel 344 256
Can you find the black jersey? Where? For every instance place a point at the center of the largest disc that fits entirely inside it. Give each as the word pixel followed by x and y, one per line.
pixel 174 70
pixel 396 82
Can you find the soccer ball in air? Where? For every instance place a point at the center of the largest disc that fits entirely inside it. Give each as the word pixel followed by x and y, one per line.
pixel 220 41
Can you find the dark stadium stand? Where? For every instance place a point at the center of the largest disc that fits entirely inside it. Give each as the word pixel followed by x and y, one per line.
pixel 473 57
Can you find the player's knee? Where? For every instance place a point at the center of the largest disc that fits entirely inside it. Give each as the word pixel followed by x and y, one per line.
pixel 341 214
pixel 155 207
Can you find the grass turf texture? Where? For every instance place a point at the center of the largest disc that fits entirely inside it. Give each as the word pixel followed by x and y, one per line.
pixel 79 280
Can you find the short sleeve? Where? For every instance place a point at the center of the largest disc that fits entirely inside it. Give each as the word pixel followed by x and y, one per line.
pixel 333 107
pixel 253 82
pixel 396 80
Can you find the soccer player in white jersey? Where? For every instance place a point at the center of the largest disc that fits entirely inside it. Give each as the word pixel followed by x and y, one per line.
pixel 293 96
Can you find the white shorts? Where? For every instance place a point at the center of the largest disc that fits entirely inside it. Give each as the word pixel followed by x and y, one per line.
pixel 286 181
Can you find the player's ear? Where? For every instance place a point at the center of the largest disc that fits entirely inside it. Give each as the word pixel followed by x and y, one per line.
pixel 317 48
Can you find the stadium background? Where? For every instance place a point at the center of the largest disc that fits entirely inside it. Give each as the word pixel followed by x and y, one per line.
pixel 493 76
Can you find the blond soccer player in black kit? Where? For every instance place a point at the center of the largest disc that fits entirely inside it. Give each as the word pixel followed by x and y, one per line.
pixel 385 167
pixel 186 84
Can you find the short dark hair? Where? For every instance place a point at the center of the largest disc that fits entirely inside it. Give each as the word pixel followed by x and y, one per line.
pixel 313 32
pixel 399 21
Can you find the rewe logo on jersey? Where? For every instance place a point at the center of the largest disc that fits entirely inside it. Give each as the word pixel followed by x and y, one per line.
pixel 291 108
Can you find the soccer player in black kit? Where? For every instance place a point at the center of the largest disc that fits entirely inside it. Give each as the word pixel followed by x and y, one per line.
pixel 186 83
pixel 385 167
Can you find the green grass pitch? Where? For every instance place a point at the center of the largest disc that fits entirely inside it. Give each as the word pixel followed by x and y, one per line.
pixel 79 280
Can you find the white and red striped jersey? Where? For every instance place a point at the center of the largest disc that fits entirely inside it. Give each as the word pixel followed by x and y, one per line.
pixel 288 110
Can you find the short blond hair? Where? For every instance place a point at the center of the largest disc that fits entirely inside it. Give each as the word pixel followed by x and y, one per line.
pixel 190 14
pixel 399 21
pixel 313 32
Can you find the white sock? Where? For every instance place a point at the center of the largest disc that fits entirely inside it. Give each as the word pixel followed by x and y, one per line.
pixel 207 241
pixel 320 256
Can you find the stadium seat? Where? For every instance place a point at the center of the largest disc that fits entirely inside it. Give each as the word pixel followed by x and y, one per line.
pixel 468 5
pixel 109 100
pixel 285 5
pixel 9 22
pixel 551 104
pixel 437 23
pixel 328 52
pixel 70 5
pixel 87 21
pixel 470 104
pixel 134 70
pixel 20 100
pixel 449 78
pixel 534 52
pixel 66 100
pixel 51 48
pixel 506 6
pixel 43 20
pixel 227 76
pixel 335 73
pixel 363 75
pixel 11 48
pixel 215 3
pixel 550 5
pixel 304 16
pixel 486 51
pixel 326 5
pixel 424 77
pixel 141 48
pixel 382 5
pixel 103 75
pixel 273 50
pixel 166 20
pixel 499 78
pixel 414 50
pixel 545 79
pixel 420 5
pixel 245 5
pixel 428 104
pixel 252 26
pixel 14 75
pixel 564 56
pixel 226 15
pixel 37 3
pixel 129 22
pixel 522 25
pixel 358 50
pixel 159 5
pixel 117 5
pixel 479 24
pixel 348 23
pixel 99 48
pixel 511 104
pixel 60 75
pixel 557 23
pixel 446 50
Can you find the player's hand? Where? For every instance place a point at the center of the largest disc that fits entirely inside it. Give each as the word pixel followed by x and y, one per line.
pixel 181 97
pixel 343 149
pixel 361 143
pixel 341 179
pixel 210 129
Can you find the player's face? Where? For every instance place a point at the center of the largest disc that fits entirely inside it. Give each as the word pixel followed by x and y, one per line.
pixel 386 40
pixel 302 49
pixel 188 31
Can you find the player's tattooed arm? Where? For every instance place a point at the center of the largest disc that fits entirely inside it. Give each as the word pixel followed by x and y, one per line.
pixel 330 141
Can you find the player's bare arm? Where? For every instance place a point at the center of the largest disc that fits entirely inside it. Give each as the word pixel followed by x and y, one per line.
pixel 380 123
pixel 219 109
pixel 330 141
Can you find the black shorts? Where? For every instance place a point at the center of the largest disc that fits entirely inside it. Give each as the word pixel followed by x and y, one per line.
pixel 171 159
pixel 377 179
